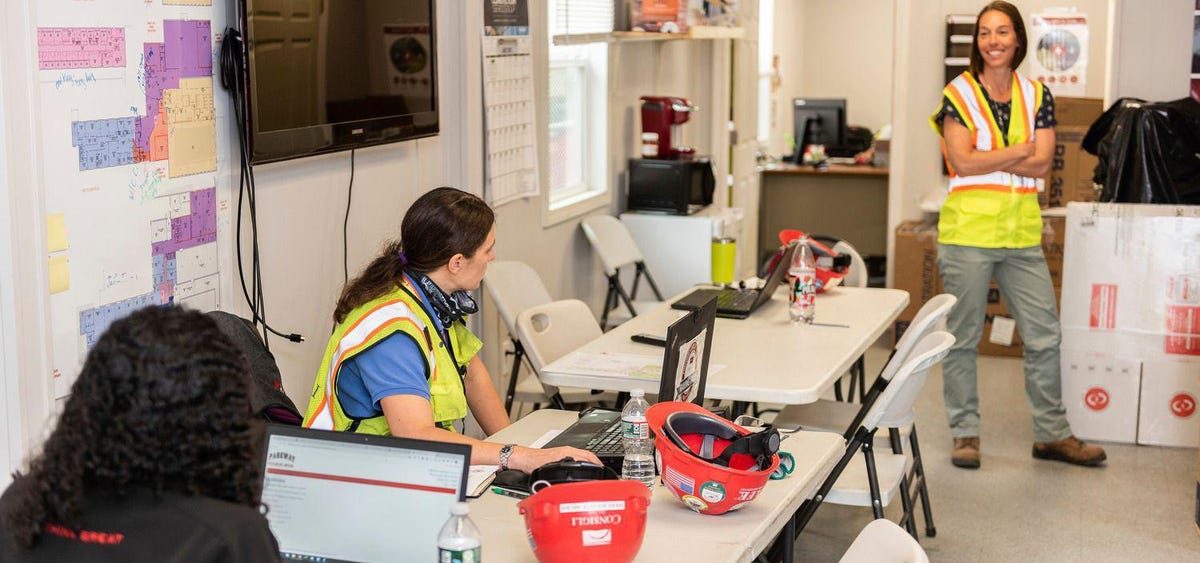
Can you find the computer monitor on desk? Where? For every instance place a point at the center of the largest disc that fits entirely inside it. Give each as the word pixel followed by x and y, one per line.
pixel 818 122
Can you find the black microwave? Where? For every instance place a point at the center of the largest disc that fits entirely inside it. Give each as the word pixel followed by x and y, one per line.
pixel 675 186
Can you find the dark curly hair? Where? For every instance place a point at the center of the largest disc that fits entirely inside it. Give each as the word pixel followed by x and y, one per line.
pixel 161 404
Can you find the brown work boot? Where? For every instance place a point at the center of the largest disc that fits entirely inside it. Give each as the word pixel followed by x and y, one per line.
pixel 1070 450
pixel 966 452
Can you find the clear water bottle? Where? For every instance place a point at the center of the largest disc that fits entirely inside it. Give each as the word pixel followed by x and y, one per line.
pixel 803 273
pixel 459 540
pixel 635 434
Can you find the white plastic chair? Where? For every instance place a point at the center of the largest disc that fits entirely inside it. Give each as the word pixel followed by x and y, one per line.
pixel 552 330
pixel 515 287
pixel 617 249
pixel 881 475
pixel 882 541
pixel 836 416
pixel 857 276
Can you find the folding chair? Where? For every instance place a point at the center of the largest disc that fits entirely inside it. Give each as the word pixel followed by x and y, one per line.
pixel 882 541
pixel 514 287
pixel 835 416
pixel 552 330
pixel 882 475
pixel 617 249
pixel 855 277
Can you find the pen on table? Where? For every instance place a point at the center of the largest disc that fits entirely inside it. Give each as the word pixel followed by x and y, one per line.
pixel 835 325
pixel 508 493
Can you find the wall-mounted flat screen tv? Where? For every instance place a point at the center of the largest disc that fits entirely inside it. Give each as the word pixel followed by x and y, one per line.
pixel 331 75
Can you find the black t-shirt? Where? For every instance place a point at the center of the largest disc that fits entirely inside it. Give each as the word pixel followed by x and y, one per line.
pixel 139 527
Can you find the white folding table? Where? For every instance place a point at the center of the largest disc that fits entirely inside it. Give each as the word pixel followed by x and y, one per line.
pixel 766 358
pixel 673 531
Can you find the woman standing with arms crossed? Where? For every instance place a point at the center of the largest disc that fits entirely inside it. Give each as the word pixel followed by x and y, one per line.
pixel 997 129
pixel 401 360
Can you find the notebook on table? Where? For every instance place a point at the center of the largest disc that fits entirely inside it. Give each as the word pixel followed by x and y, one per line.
pixel 735 303
pixel 341 496
pixel 683 378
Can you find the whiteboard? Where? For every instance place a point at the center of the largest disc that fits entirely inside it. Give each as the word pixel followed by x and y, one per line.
pixel 137 195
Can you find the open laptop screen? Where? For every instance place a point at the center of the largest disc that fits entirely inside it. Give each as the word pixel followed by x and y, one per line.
pixel 339 496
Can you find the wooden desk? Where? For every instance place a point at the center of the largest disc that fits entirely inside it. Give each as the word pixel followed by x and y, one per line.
pixel 848 202
pixel 673 531
pixel 766 358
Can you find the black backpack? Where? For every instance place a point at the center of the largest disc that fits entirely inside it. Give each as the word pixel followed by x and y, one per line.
pixel 267 398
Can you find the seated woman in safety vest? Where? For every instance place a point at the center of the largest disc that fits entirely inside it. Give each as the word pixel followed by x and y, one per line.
pixel 401 360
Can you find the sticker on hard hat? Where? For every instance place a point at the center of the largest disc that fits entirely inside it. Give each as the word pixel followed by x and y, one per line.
pixel 712 491
pixel 749 494
pixel 594 506
pixel 597 537
pixel 685 484
pixel 694 503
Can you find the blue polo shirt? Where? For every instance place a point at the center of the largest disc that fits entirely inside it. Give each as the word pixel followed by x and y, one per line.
pixel 393 366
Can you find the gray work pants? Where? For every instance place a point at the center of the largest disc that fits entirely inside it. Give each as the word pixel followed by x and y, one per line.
pixel 1025 286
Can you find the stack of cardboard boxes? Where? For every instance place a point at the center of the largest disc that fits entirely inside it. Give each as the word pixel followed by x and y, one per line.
pixel 1131 323
pixel 1070 179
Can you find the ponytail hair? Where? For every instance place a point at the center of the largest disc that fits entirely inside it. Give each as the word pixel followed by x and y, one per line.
pixel 441 223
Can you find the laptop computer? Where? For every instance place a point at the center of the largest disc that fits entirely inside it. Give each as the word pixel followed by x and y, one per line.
pixel 340 496
pixel 733 303
pixel 684 377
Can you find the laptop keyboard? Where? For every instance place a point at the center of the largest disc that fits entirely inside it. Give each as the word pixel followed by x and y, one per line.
pixel 608 442
pixel 736 300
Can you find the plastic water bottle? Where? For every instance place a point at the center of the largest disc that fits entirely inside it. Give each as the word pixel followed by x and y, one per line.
pixel 635 436
pixel 459 540
pixel 803 272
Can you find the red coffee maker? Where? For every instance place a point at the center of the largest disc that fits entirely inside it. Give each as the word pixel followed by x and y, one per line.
pixel 662 117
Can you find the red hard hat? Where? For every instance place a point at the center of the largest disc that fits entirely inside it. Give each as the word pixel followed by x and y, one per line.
pixel 588 521
pixel 710 464
pixel 831 267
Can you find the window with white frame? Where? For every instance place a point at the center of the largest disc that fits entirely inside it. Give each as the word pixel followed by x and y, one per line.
pixel 767 76
pixel 578 105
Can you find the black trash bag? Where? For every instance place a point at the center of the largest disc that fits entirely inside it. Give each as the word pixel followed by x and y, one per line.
pixel 1149 152
pixel 267 398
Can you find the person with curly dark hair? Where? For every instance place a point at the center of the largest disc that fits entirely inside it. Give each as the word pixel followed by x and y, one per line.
pixel 153 458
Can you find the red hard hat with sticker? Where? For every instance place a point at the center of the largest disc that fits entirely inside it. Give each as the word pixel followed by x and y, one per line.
pixel 586 522
pixel 708 463
pixel 831 266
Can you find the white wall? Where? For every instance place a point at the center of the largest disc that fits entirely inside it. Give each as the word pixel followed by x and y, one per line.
pixel 24 310
pixel 1151 48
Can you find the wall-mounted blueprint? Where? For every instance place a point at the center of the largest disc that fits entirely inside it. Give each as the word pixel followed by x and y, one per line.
pixel 135 194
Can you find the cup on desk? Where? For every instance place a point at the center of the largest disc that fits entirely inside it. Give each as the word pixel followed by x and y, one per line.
pixel 724 253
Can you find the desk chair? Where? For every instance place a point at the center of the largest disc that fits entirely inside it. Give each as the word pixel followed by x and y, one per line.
pixel 882 541
pixel 835 416
pixel 551 331
pixel 617 249
pixel 514 287
pixel 879 477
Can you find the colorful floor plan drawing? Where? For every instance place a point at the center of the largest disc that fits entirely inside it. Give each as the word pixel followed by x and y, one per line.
pixel 183 254
pixel 80 47
pixel 179 125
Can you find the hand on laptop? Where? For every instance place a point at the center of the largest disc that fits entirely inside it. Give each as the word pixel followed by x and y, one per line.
pixel 528 459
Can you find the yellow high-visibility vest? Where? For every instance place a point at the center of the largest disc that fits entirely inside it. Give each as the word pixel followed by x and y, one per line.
pixel 398 311
pixel 999 209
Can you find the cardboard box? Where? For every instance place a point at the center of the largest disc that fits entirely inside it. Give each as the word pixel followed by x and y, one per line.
pixel 1071 173
pixel 1101 395
pixel 1167 414
pixel 1131 280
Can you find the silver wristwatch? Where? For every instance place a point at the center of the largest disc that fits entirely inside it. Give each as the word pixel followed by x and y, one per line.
pixel 505 453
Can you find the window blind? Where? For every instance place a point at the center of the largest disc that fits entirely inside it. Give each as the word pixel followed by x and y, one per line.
pixel 581 16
